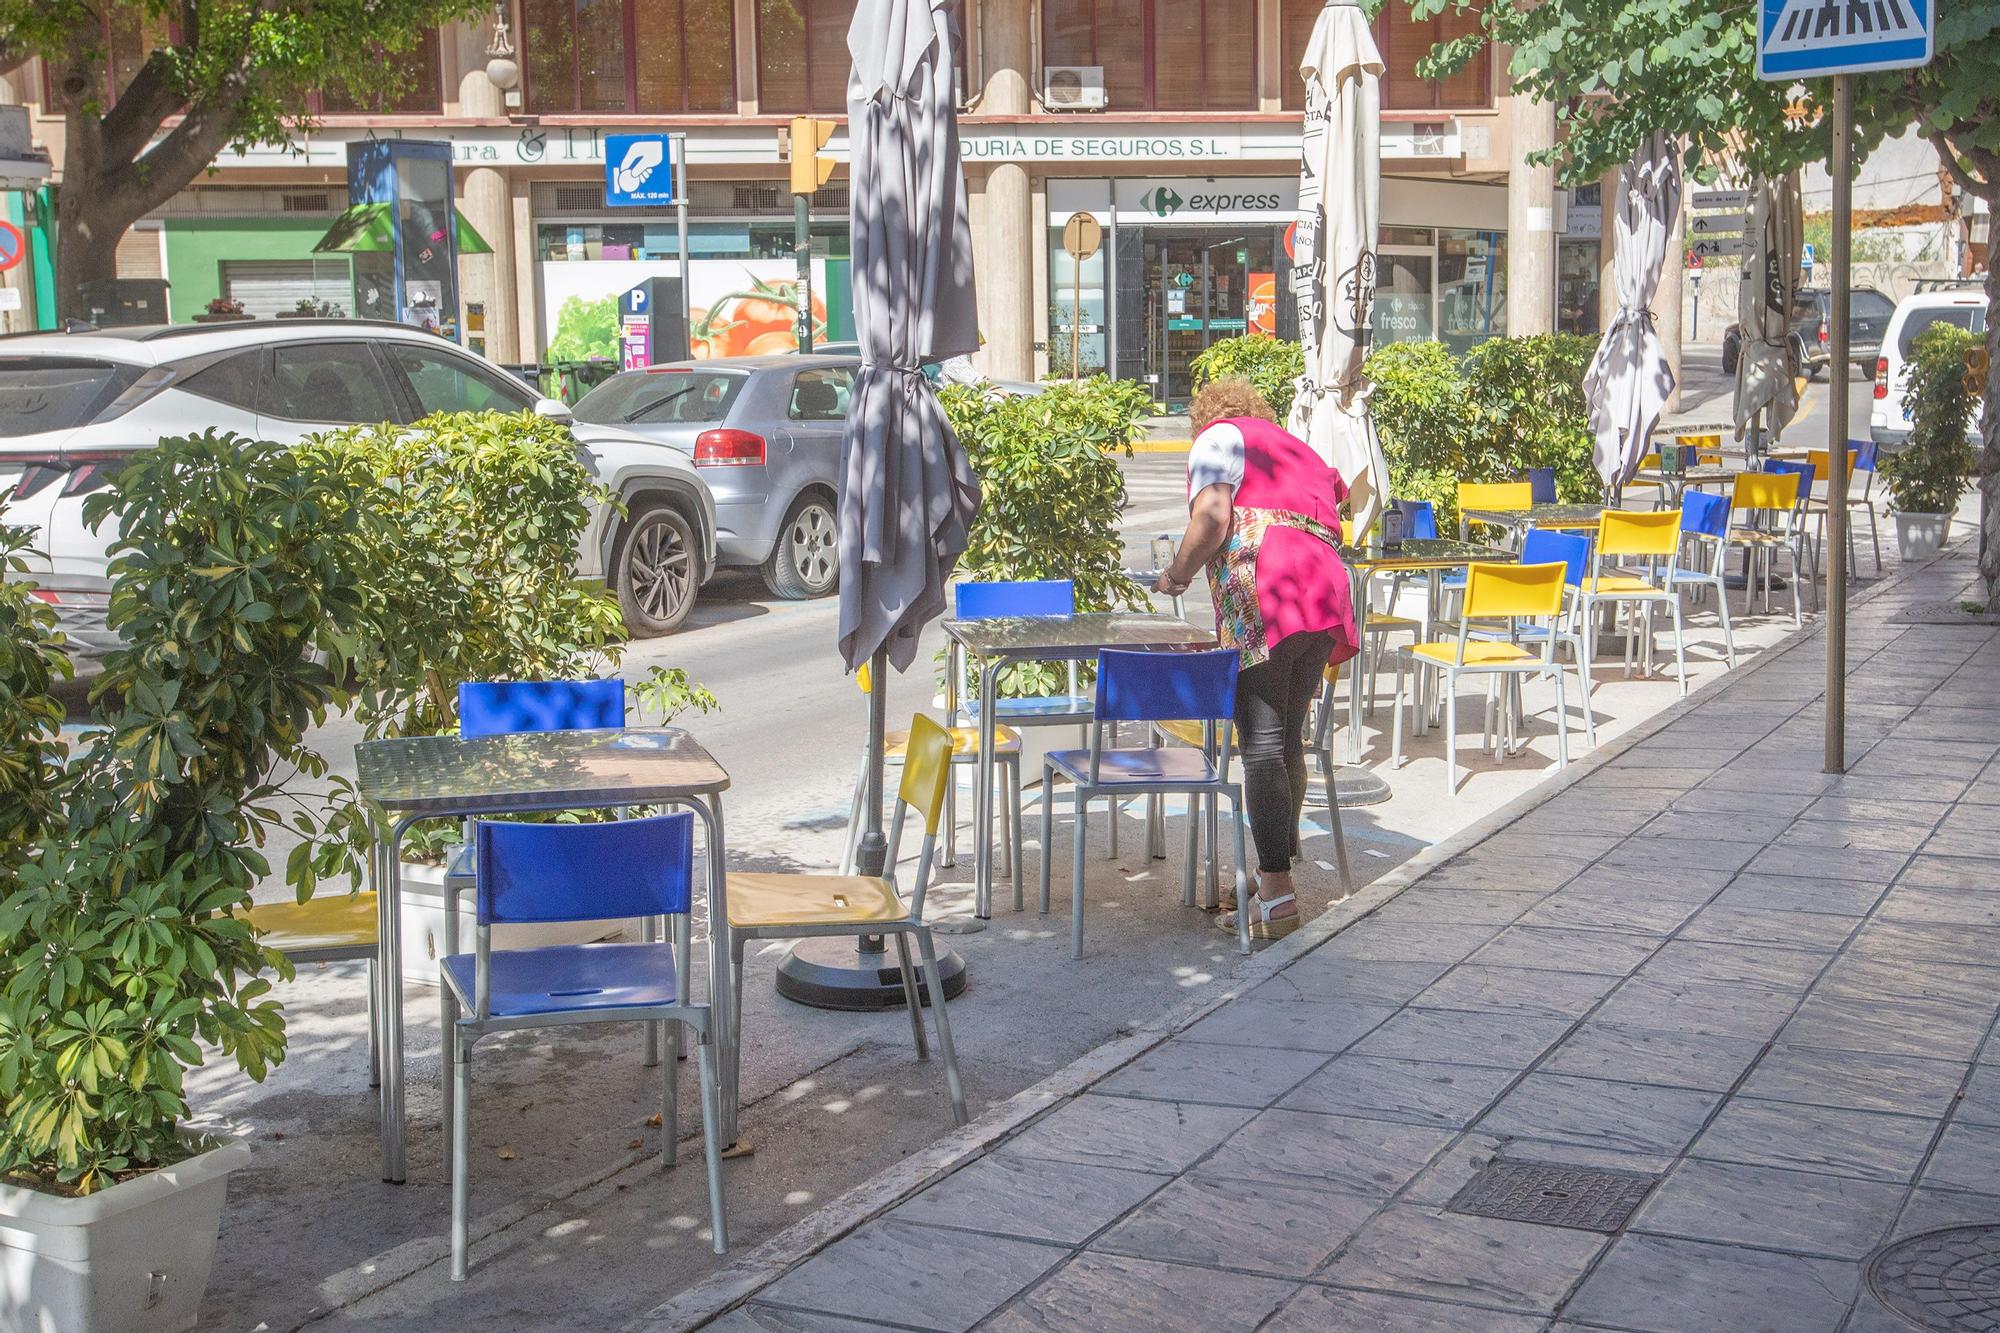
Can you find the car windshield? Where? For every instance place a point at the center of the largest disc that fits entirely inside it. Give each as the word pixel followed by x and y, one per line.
pixel 655 396
pixel 1870 305
pixel 43 393
pixel 1971 318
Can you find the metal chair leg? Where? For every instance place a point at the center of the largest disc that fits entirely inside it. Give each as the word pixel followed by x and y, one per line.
pixel 1333 817
pixel 1011 779
pixel 854 812
pixel 1213 817
pixel 711 1120
pixel 461 1155
pixel 1191 852
pixel 1680 649
pixel 649 934
pixel 448 1036
pixel 374 1026
pixel 1048 832
pixel 935 981
pixel 1450 697
pixel 1076 871
pixel 1243 908
pixel 910 1000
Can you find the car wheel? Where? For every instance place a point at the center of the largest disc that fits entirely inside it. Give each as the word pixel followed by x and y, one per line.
pixel 1729 355
pixel 807 561
pixel 657 572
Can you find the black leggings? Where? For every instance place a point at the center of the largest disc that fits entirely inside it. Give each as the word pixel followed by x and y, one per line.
pixel 1272 701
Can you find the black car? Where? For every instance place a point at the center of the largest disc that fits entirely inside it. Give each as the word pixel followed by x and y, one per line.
pixel 1868 314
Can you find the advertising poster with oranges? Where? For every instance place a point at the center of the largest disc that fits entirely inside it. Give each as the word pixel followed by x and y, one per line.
pixel 1261 312
pixel 738 307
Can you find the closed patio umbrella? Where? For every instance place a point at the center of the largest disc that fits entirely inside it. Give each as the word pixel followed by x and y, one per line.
pixel 1775 228
pixel 1333 252
pixel 1629 378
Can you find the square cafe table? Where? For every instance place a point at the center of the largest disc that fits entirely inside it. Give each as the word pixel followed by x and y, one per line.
pixel 412 778
pixel 1428 556
pixel 1562 517
pixel 1005 640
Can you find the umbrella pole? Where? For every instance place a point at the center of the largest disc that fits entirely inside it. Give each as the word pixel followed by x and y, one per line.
pixel 872 854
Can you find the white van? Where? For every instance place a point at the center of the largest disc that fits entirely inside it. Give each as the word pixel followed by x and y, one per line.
pixel 1960 303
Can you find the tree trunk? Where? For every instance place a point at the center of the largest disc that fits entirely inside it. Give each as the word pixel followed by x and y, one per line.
pixel 86 247
pixel 1989 430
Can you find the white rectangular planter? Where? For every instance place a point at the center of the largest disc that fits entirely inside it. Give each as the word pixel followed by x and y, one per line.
pixel 423 926
pixel 130 1259
pixel 1920 536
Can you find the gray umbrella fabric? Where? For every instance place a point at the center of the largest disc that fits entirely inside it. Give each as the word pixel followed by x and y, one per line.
pixel 1629 379
pixel 907 494
pixel 1775 228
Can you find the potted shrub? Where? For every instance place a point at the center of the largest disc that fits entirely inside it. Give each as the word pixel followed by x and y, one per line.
pixel 312 308
pixel 222 310
pixel 1928 476
pixel 124 855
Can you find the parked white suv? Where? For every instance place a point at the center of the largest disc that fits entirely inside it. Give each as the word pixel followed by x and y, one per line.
pixel 1963 305
pixel 73 405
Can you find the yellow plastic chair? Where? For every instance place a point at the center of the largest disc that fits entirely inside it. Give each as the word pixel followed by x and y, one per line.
pixel 1494 593
pixel 1654 540
pixel 1768 502
pixel 789 907
pixel 1860 482
pixel 1507 496
pixel 964 750
pixel 338 928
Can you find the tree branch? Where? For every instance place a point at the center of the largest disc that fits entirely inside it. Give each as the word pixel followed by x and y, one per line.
pixel 141 109
pixel 1947 154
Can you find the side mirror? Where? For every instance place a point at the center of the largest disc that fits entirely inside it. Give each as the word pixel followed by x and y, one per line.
pixel 555 409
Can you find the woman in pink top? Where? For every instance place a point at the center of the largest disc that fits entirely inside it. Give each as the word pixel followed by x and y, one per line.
pixel 1264 517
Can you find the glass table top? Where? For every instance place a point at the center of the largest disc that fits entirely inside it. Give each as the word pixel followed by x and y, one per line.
pixel 1542 515
pixel 1082 634
pixel 1427 553
pixel 545 770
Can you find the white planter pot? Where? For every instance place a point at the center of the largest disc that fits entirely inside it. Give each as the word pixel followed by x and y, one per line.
pixel 423 925
pixel 1920 536
pixel 130 1259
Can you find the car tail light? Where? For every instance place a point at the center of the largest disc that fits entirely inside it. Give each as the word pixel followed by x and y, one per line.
pixel 80 473
pixel 728 448
pixel 37 473
pixel 1822 333
pixel 1881 377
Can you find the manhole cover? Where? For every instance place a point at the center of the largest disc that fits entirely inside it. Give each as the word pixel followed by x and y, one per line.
pixel 1585 1198
pixel 1947 1280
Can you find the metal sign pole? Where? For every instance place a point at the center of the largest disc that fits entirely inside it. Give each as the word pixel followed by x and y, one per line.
pixel 1839 374
pixel 680 144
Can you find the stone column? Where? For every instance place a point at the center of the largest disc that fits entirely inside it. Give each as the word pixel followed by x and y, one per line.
pixel 487 279
pixel 1667 303
pixel 1607 251
pixel 1531 220
pixel 1004 249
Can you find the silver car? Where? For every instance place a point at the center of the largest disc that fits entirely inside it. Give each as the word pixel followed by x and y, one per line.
pixel 764 432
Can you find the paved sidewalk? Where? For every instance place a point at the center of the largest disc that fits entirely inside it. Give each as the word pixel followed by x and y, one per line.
pixel 1701 960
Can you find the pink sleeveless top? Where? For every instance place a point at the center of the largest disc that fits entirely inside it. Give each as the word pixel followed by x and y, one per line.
pixel 1280 572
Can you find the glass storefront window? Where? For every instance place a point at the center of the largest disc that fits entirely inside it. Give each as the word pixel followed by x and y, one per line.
pixel 1159 55
pixel 802 54
pixel 578 242
pixel 1182 288
pixel 1472 286
pixel 1576 286
pixel 1403 41
pixel 1088 338
pixel 1405 293
pixel 417 85
pixel 681 57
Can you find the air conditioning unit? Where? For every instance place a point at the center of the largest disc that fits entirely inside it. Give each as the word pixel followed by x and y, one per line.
pixel 1073 87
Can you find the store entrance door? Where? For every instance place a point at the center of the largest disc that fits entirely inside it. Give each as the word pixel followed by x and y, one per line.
pixel 1197 289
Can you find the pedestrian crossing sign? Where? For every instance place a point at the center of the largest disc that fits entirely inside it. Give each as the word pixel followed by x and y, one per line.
pixel 1803 39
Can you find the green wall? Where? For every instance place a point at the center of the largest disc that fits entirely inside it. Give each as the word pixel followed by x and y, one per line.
pixel 197 246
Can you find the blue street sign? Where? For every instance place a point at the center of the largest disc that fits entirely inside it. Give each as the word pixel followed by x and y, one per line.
pixel 1806 257
pixel 1801 39
pixel 638 170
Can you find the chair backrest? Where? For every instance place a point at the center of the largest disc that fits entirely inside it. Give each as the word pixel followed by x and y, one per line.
pixel 1160 687
pixel 1020 597
pixel 509 707
pixel 1805 472
pixel 1542 485
pixel 1704 514
pixel 1821 461
pixel 926 770
pixel 1571 550
pixel 1705 445
pixel 1657 533
pixel 584 872
pixel 1420 521
pixel 1497 592
pixel 1503 495
pixel 1766 491
pixel 1865 454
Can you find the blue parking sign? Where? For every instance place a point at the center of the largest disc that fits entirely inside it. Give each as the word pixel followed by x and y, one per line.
pixel 1803 39
pixel 638 170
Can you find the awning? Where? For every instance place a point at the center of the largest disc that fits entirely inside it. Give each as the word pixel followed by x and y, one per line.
pixel 369 229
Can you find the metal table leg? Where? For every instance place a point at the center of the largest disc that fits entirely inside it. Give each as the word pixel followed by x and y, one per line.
pixel 389 944
pixel 982 814
pixel 721 994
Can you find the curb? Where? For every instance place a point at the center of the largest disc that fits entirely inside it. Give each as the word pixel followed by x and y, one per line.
pixel 722 1291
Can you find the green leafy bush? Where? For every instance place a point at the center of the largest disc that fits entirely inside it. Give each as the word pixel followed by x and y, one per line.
pixel 1272 365
pixel 1052 493
pixel 1427 420
pixel 1529 395
pixel 1931 473
pixel 31 660
pixel 119 950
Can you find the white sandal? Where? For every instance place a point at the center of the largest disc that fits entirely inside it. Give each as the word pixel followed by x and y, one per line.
pixel 1264 926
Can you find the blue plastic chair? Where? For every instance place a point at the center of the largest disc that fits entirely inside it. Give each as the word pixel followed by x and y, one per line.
pixel 1023 598
pixel 1419 519
pixel 1542 485
pixel 1152 687
pixel 1571 550
pixel 1705 528
pixel 512 707
pixel 558 872
pixel 1807 475
pixel 1867 454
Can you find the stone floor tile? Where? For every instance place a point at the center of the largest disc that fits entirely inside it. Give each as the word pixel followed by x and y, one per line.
pixel 1981 1103
pixel 1557 816
pixel 1504 1041
pixel 1966 1158
pixel 1434 944
pixel 1806 1213
pixel 1757 780
pixel 1601 1049
pixel 1299 1025
pixel 1732 803
pixel 1861 866
pixel 1612 910
pixel 1871 1316
pixel 1662 1285
pixel 1855 1081
pixel 1410 1091
pixel 1898 786
pixel 1930 1209
pixel 1114 1131
pixel 1191 1071
pixel 1864 1144
pixel 1257 1226
pixel 1582 842
pixel 1846 835
pixel 1521 990
pixel 1684 855
pixel 1962 757
pixel 1935 1030
pixel 1031 1199
pixel 1422 907
pixel 1711 1008
pixel 1480 869
pixel 1820 931
pixel 1755 828
pixel 926 1277
pixel 1705 962
pixel 1646 870
pixel 1933 942
pixel 1966 831
pixel 1428 1253
pixel 1370 1157
pixel 1631 1117
pixel 1606 953
pixel 1355 981
pixel 1912 980
pixel 1924 813
pixel 1923 905
pixel 1661 778
pixel 1930 870
pixel 1323 1309
pixel 1791 893
pixel 1110 1291
pixel 754 1318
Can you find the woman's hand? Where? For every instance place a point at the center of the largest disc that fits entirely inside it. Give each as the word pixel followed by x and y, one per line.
pixel 1168 586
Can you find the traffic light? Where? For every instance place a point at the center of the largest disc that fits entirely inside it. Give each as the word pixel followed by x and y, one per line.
pixel 809 169
pixel 1975 371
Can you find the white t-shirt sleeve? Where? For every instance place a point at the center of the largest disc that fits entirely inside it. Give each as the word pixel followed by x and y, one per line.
pixel 1215 459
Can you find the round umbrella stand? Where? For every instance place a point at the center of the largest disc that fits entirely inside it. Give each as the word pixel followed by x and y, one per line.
pixel 1356 785
pixel 837 973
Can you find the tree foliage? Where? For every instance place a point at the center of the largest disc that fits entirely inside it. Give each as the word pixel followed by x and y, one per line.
pixel 1272 365
pixel 1928 475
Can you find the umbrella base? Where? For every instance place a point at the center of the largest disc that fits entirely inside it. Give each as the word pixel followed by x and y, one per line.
pixel 833 973
pixel 1355 785
pixel 1735 582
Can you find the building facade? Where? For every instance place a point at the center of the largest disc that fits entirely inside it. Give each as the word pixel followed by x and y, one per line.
pixel 1173 122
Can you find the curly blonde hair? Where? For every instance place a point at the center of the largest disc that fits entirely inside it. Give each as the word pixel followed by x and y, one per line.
pixel 1219 400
